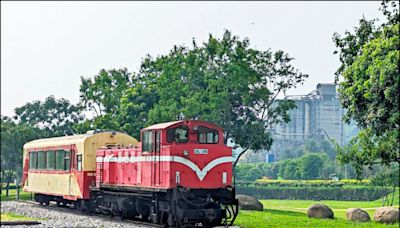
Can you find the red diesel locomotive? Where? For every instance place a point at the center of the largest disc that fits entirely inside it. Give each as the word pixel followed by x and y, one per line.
pixel 179 175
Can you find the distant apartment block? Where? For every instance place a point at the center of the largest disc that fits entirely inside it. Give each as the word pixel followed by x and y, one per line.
pixel 317 112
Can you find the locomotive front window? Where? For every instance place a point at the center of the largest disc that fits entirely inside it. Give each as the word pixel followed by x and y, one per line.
pixel 179 134
pixel 207 135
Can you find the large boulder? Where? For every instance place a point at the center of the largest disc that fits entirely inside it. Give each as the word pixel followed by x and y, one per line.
pixel 358 215
pixel 249 203
pixel 387 215
pixel 319 211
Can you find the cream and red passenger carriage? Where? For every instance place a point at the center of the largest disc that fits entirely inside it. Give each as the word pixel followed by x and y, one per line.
pixel 66 166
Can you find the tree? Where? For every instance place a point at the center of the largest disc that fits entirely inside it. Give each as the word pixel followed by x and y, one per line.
pixel 136 105
pixel 13 137
pixel 55 117
pixel 387 179
pixel 307 167
pixel 101 96
pixel 311 165
pixel 223 81
pixel 369 90
pixel 289 169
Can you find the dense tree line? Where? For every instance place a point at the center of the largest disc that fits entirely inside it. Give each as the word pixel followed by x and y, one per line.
pixel 315 166
pixel 307 167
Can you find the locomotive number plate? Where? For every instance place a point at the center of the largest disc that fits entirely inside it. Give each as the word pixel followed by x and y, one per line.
pixel 200 151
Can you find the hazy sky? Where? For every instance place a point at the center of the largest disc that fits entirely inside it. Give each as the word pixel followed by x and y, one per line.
pixel 47 46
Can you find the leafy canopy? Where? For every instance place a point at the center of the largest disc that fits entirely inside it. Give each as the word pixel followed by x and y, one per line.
pixel 56 117
pixel 13 137
pixel 224 81
pixel 369 90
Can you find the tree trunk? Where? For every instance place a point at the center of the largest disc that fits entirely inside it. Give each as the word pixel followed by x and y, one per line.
pixel 17 189
pixel 393 193
pixel 234 165
pixel 237 159
pixel 8 182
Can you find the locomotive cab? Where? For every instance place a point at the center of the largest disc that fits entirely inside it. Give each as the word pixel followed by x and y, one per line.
pixel 191 159
pixel 197 155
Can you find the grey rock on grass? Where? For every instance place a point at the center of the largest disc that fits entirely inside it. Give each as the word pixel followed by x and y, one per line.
pixel 387 215
pixel 249 203
pixel 357 214
pixel 319 211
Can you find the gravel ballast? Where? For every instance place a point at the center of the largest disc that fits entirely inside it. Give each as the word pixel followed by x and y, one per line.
pixel 54 216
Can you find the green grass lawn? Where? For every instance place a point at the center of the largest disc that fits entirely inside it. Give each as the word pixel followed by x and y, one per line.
pixel 12 195
pixel 14 217
pixel 292 213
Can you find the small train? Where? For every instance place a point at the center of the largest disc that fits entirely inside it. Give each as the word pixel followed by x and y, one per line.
pixel 178 175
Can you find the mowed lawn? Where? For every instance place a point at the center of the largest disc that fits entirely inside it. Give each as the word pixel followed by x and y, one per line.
pixel 15 217
pixel 292 213
pixel 12 195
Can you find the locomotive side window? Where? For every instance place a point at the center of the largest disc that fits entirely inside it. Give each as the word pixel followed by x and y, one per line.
pixel 50 160
pixel 207 135
pixel 79 162
pixel 157 141
pixel 41 160
pixel 179 134
pixel 147 144
pixel 33 160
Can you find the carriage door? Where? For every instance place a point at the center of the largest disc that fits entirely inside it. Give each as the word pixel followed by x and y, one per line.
pixel 156 158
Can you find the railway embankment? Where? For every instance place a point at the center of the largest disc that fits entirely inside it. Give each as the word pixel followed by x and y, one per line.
pixel 53 216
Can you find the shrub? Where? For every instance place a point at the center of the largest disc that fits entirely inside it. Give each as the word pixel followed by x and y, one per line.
pixel 363 193
pixel 310 183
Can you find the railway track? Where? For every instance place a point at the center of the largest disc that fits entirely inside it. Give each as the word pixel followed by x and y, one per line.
pixel 72 210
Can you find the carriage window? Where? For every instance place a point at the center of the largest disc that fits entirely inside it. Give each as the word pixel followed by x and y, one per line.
pixel 147 142
pixel 179 135
pixel 41 160
pixel 207 135
pixel 67 161
pixel 50 160
pixel 60 159
pixel 32 160
pixel 79 162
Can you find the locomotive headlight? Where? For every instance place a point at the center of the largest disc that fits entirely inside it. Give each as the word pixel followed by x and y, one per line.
pixel 186 153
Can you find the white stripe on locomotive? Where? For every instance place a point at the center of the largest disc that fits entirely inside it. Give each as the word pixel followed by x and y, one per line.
pixel 201 173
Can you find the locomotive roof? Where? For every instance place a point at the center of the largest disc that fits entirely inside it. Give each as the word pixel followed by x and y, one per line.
pixel 170 124
pixel 66 140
